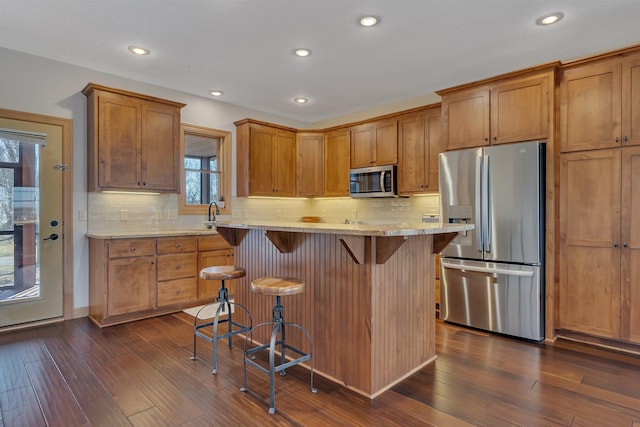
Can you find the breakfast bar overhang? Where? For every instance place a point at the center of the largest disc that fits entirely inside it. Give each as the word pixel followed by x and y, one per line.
pixel 369 299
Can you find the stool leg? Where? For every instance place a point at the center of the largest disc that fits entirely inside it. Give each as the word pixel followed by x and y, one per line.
pixel 272 380
pixel 195 323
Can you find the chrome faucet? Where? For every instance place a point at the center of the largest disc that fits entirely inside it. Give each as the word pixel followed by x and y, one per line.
pixel 212 216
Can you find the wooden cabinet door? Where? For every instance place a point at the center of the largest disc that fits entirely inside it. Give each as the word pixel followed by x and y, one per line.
pixel 284 164
pixel 520 110
pixel 591 106
pixel 362 143
pixel 374 143
pixel 160 149
pixel 589 294
pixel 262 142
pixel 466 116
pixel 386 142
pixel 631 101
pixel 413 168
pixel 208 289
pixel 131 285
pixel 630 220
pixel 118 141
pixel 435 145
pixel 310 164
pixel 337 160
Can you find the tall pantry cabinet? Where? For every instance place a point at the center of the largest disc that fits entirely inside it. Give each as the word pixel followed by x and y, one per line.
pixel 599 291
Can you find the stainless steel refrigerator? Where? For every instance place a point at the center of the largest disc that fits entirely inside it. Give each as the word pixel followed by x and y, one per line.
pixel 492 277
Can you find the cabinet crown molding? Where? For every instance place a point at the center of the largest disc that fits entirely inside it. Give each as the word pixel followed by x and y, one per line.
pixel 91 87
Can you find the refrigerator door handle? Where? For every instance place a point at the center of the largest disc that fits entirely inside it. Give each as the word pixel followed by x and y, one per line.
pixel 489 270
pixel 486 205
pixel 478 212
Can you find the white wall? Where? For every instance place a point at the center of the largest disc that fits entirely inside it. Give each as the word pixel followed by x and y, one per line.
pixel 37 85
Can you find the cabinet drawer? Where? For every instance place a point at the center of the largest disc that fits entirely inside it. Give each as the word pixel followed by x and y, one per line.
pixel 131 247
pixel 177 266
pixel 211 243
pixel 176 245
pixel 177 291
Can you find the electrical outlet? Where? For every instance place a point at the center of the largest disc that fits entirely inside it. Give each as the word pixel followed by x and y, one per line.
pixel 158 214
pixel 124 215
pixel 172 214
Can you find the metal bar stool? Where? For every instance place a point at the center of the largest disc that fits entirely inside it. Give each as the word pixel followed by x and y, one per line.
pixel 221 273
pixel 277 286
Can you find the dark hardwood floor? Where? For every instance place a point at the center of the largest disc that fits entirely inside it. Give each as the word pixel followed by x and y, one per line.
pixel 75 374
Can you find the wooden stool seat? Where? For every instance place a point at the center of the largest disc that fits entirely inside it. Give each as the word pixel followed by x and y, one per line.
pixel 278 286
pixel 222 272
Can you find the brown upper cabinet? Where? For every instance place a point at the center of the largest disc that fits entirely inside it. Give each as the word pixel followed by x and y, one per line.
pixel 419 143
pixel 600 104
pixel 309 162
pixel 266 160
pixel 133 141
pixel 503 110
pixel 374 143
pixel 337 161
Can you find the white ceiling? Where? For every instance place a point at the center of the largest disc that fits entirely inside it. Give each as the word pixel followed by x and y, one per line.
pixel 244 47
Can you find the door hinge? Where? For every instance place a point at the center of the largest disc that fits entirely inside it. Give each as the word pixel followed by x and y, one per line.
pixel 61 167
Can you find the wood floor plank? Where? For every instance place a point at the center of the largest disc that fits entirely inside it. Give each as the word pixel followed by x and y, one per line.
pixel 151 417
pixel 20 407
pixel 12 372
pixel 59 405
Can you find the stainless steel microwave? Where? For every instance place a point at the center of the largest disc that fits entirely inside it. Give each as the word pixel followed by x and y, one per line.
pixel 376 181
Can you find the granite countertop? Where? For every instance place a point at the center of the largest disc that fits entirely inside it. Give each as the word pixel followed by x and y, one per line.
pixel 150 233
pixel 398 229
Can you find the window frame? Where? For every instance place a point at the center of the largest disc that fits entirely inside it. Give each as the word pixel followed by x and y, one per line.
pixel 224 163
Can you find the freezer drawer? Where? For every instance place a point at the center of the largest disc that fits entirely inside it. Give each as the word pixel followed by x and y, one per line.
pixel 503 298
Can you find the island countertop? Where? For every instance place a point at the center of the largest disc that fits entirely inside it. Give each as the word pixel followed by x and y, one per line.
pixel 381 230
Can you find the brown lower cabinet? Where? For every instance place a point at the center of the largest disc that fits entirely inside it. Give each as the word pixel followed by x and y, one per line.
pixel 131 279
pixel 599 292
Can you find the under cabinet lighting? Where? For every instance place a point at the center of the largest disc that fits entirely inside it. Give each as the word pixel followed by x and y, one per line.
pixel 549 19
pixel 130 192
pixel 138 50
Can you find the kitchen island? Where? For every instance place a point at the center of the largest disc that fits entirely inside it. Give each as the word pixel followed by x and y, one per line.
pixel 369 297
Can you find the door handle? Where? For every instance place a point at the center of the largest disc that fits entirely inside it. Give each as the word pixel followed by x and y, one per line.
pixel 52 236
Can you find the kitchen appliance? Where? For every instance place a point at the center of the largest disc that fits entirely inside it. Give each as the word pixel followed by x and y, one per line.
pixel 376 181
pixel 492 277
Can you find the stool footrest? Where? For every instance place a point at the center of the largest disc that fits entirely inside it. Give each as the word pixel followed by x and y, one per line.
pixel 282 366
pixel 241 328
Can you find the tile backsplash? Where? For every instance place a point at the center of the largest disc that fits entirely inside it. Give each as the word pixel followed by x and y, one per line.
pixel 137 212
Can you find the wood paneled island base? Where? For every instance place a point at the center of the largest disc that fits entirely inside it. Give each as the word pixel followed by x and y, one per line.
pixel 372 323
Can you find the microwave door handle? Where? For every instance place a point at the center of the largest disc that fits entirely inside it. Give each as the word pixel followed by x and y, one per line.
pixel 382 181
pixel 477 204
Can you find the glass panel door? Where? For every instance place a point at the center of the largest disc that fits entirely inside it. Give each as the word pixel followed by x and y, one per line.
pixel 30 223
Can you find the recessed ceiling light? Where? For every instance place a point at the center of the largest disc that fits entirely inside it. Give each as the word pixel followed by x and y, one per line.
pixel 139 50
pixel 302 52
pixel 549 19
pixel 216 92
pixel 301 100
pixel 368 21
